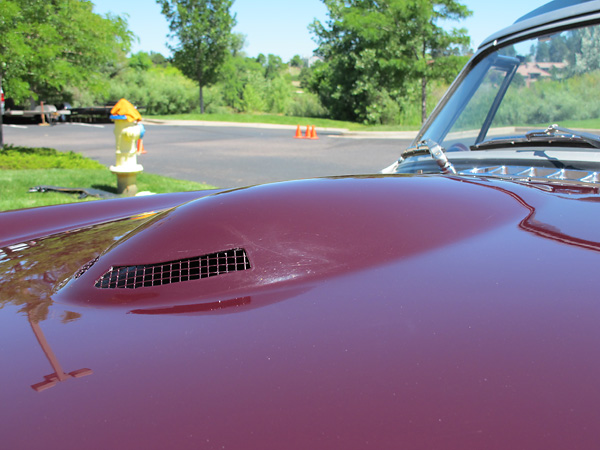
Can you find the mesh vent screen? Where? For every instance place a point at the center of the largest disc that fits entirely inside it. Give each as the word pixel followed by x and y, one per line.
pixel 133 277
pixel 85 268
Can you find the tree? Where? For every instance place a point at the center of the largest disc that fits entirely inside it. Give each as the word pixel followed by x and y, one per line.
pixel 140 61
pixel 237 72
pixel 158 59
pixel 273 66
pixel 296 61
pixel 438 57
pixel 373 51
pixel 203 30
pixel 13 48
pixel 238 42
pixel 47 48
pixel 588 58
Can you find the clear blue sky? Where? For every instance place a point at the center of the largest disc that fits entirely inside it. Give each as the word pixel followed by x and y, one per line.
pixel 280 26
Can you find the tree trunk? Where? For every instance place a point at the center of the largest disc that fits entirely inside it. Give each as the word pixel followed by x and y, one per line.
pixel 201 93
pixel 201 101
pixel 424 83
pixel 1 119
pixel 423 99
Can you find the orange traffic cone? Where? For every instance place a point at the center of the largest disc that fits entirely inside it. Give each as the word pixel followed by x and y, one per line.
pixel 140 148
pixel 313 133
pixel 307 134
pixel 298 133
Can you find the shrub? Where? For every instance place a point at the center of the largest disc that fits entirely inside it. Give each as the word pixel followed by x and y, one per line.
pixel 253 94
pixel 279 95
pixel 160 90
pixel 306 105
pixel 549 100
pixel 383 110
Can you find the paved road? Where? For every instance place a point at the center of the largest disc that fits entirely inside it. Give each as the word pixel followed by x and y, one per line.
pixel 224 156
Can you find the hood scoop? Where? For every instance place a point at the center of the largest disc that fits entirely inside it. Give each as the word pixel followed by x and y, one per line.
pixel 188 269
pixel 282 235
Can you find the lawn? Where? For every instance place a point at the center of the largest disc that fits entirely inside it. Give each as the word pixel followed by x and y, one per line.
pixel 22 168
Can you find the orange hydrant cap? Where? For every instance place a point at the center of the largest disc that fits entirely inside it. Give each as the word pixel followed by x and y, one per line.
pixel 123 110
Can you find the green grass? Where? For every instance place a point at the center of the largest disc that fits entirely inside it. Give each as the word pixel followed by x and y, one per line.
pixel 24 168
pixel 283 120
pixel 590 124
pixel 14 158
pixel 585 124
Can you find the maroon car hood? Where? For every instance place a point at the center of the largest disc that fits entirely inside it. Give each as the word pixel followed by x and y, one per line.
pixel 383 312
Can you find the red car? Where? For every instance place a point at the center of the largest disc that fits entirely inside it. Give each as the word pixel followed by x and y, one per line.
pixel 447 304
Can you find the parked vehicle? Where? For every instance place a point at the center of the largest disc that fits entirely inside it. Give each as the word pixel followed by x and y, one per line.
pixel 508 112
pixel 42 113
pixel 449 304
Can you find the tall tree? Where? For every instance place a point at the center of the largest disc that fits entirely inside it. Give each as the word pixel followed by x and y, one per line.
pixel 13 47
pixel 47 48
pixel 203 31
pixel 588 58
pixel 436 50
pixel 373 51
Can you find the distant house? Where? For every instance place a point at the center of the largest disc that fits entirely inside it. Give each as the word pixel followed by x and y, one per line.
pixel 313 59
pixel 533 71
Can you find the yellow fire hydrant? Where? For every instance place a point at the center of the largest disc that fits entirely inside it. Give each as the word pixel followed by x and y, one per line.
pixel 127 132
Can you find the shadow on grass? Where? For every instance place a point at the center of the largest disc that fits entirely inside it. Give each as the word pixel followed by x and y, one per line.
pixel 105 187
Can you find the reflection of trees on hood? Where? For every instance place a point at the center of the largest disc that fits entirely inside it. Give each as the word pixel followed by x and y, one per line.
pixel 31 272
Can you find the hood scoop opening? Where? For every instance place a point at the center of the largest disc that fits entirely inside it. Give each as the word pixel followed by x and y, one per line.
pixel 188 269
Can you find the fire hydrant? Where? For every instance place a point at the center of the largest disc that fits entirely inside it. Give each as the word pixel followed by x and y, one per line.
pixel 127 132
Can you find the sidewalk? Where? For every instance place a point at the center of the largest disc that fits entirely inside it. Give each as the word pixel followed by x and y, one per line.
pixel 331 132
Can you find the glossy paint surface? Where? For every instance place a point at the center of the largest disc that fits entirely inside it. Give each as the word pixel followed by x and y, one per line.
pixel 35 222
pixel 383 312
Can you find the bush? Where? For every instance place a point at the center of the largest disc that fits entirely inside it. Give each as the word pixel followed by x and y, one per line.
pixel 253 94
pixel 160 90
pixel 279 95
pixel 383 110
pixel 549 100
pixel 306 105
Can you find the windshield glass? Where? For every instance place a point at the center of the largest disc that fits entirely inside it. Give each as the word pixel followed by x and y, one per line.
pixel 529 85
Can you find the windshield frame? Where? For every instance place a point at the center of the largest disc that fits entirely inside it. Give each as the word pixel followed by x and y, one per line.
pixel 474 64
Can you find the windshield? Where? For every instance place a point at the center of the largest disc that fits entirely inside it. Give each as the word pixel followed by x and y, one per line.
pixel 552 79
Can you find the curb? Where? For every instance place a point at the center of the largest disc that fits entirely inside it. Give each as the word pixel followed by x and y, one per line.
pixel 333 132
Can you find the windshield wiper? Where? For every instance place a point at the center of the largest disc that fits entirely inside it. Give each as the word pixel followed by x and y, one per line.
pixel 436 151
pixel 551 135
pixel 554 130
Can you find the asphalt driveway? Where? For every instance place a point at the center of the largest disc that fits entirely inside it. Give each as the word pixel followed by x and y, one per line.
pixel 226 155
